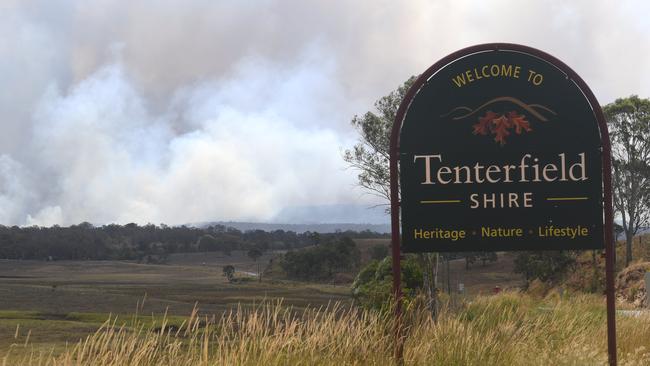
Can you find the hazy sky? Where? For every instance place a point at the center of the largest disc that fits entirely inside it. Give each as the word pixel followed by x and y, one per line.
pixel 186 111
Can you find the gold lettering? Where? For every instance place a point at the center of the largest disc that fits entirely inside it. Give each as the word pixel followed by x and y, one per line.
pixel 494 70
pixel 476 75
pixel 483 72
pixel 469 76
pixel 506 71
pixel 459 80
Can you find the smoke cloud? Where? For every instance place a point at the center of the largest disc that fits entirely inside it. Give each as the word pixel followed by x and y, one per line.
pixel 188 111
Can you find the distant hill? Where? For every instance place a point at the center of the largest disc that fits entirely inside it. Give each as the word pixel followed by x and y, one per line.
pixel 318 218
pixel 298 228
pixel 333 214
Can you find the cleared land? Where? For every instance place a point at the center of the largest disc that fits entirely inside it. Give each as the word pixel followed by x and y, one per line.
pixel 64 301
pixel 117 287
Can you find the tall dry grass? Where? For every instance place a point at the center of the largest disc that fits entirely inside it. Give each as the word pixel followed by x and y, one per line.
pixel 508 329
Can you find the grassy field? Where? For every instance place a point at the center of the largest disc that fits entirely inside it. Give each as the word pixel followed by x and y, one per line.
pixel 186 313
pixel 505 329
pixel 112 286
pixel 64 301
pixel 237 258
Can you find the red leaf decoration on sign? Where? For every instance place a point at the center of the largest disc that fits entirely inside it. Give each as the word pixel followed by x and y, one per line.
pixel 519 122
pixel 500 128
pixel 500 125
pixel 484 125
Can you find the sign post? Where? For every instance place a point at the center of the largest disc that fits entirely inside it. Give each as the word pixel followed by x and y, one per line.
pixel 500 147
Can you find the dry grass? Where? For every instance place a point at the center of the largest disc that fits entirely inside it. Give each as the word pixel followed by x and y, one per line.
pixel 63 287
pixel 508 329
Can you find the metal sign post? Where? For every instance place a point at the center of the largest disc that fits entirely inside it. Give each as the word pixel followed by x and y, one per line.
pixel 500 147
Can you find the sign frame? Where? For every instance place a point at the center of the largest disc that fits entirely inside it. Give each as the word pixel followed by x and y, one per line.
pixel 608 232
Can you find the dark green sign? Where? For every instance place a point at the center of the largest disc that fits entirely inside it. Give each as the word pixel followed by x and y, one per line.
pixel 500 150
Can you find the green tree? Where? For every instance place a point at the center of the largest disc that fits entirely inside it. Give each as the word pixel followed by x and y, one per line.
pixel 370 156
pixel 343 255
pixel 321 262
pixel 378 251
pixel 207 243
pixel 547 266
pixel 302 264
pixel 254 253
pixel 229 272
pixel 628 120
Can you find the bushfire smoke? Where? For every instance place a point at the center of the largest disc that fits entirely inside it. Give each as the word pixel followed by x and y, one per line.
pixel 191 111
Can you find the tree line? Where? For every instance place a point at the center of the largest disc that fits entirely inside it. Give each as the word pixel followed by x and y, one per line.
pixel 151 243
pixel 322 261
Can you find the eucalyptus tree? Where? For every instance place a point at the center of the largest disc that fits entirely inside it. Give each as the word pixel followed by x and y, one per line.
pixel 370 156
pixel 628 120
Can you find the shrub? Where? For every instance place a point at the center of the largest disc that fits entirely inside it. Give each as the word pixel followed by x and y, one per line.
pixel 372 287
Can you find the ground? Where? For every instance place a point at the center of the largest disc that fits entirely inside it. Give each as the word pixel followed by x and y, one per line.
pixel 482 279
pixel 63 301
pixel 67 300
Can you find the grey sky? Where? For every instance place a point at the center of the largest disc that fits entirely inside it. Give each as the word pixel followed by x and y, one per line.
pixel 187 111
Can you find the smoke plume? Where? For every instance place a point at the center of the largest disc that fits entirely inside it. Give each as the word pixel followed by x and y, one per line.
pixel 187 111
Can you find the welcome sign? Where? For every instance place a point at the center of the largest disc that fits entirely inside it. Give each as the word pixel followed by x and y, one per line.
pixel 500 150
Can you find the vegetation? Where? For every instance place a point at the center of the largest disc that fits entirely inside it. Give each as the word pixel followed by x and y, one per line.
pixel 507 329
pixel 629 124
pixel 587 274
pixel 321 262
pixel 254 253
pixel 229 272
pixel 149 243
pixel 370 156
pixel 372 286
pixel 483 257
pixel 547 266
pixel 60 288
pixel 378 252
pixel 225 244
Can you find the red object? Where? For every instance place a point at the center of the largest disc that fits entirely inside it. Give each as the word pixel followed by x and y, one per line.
pixel 496 289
